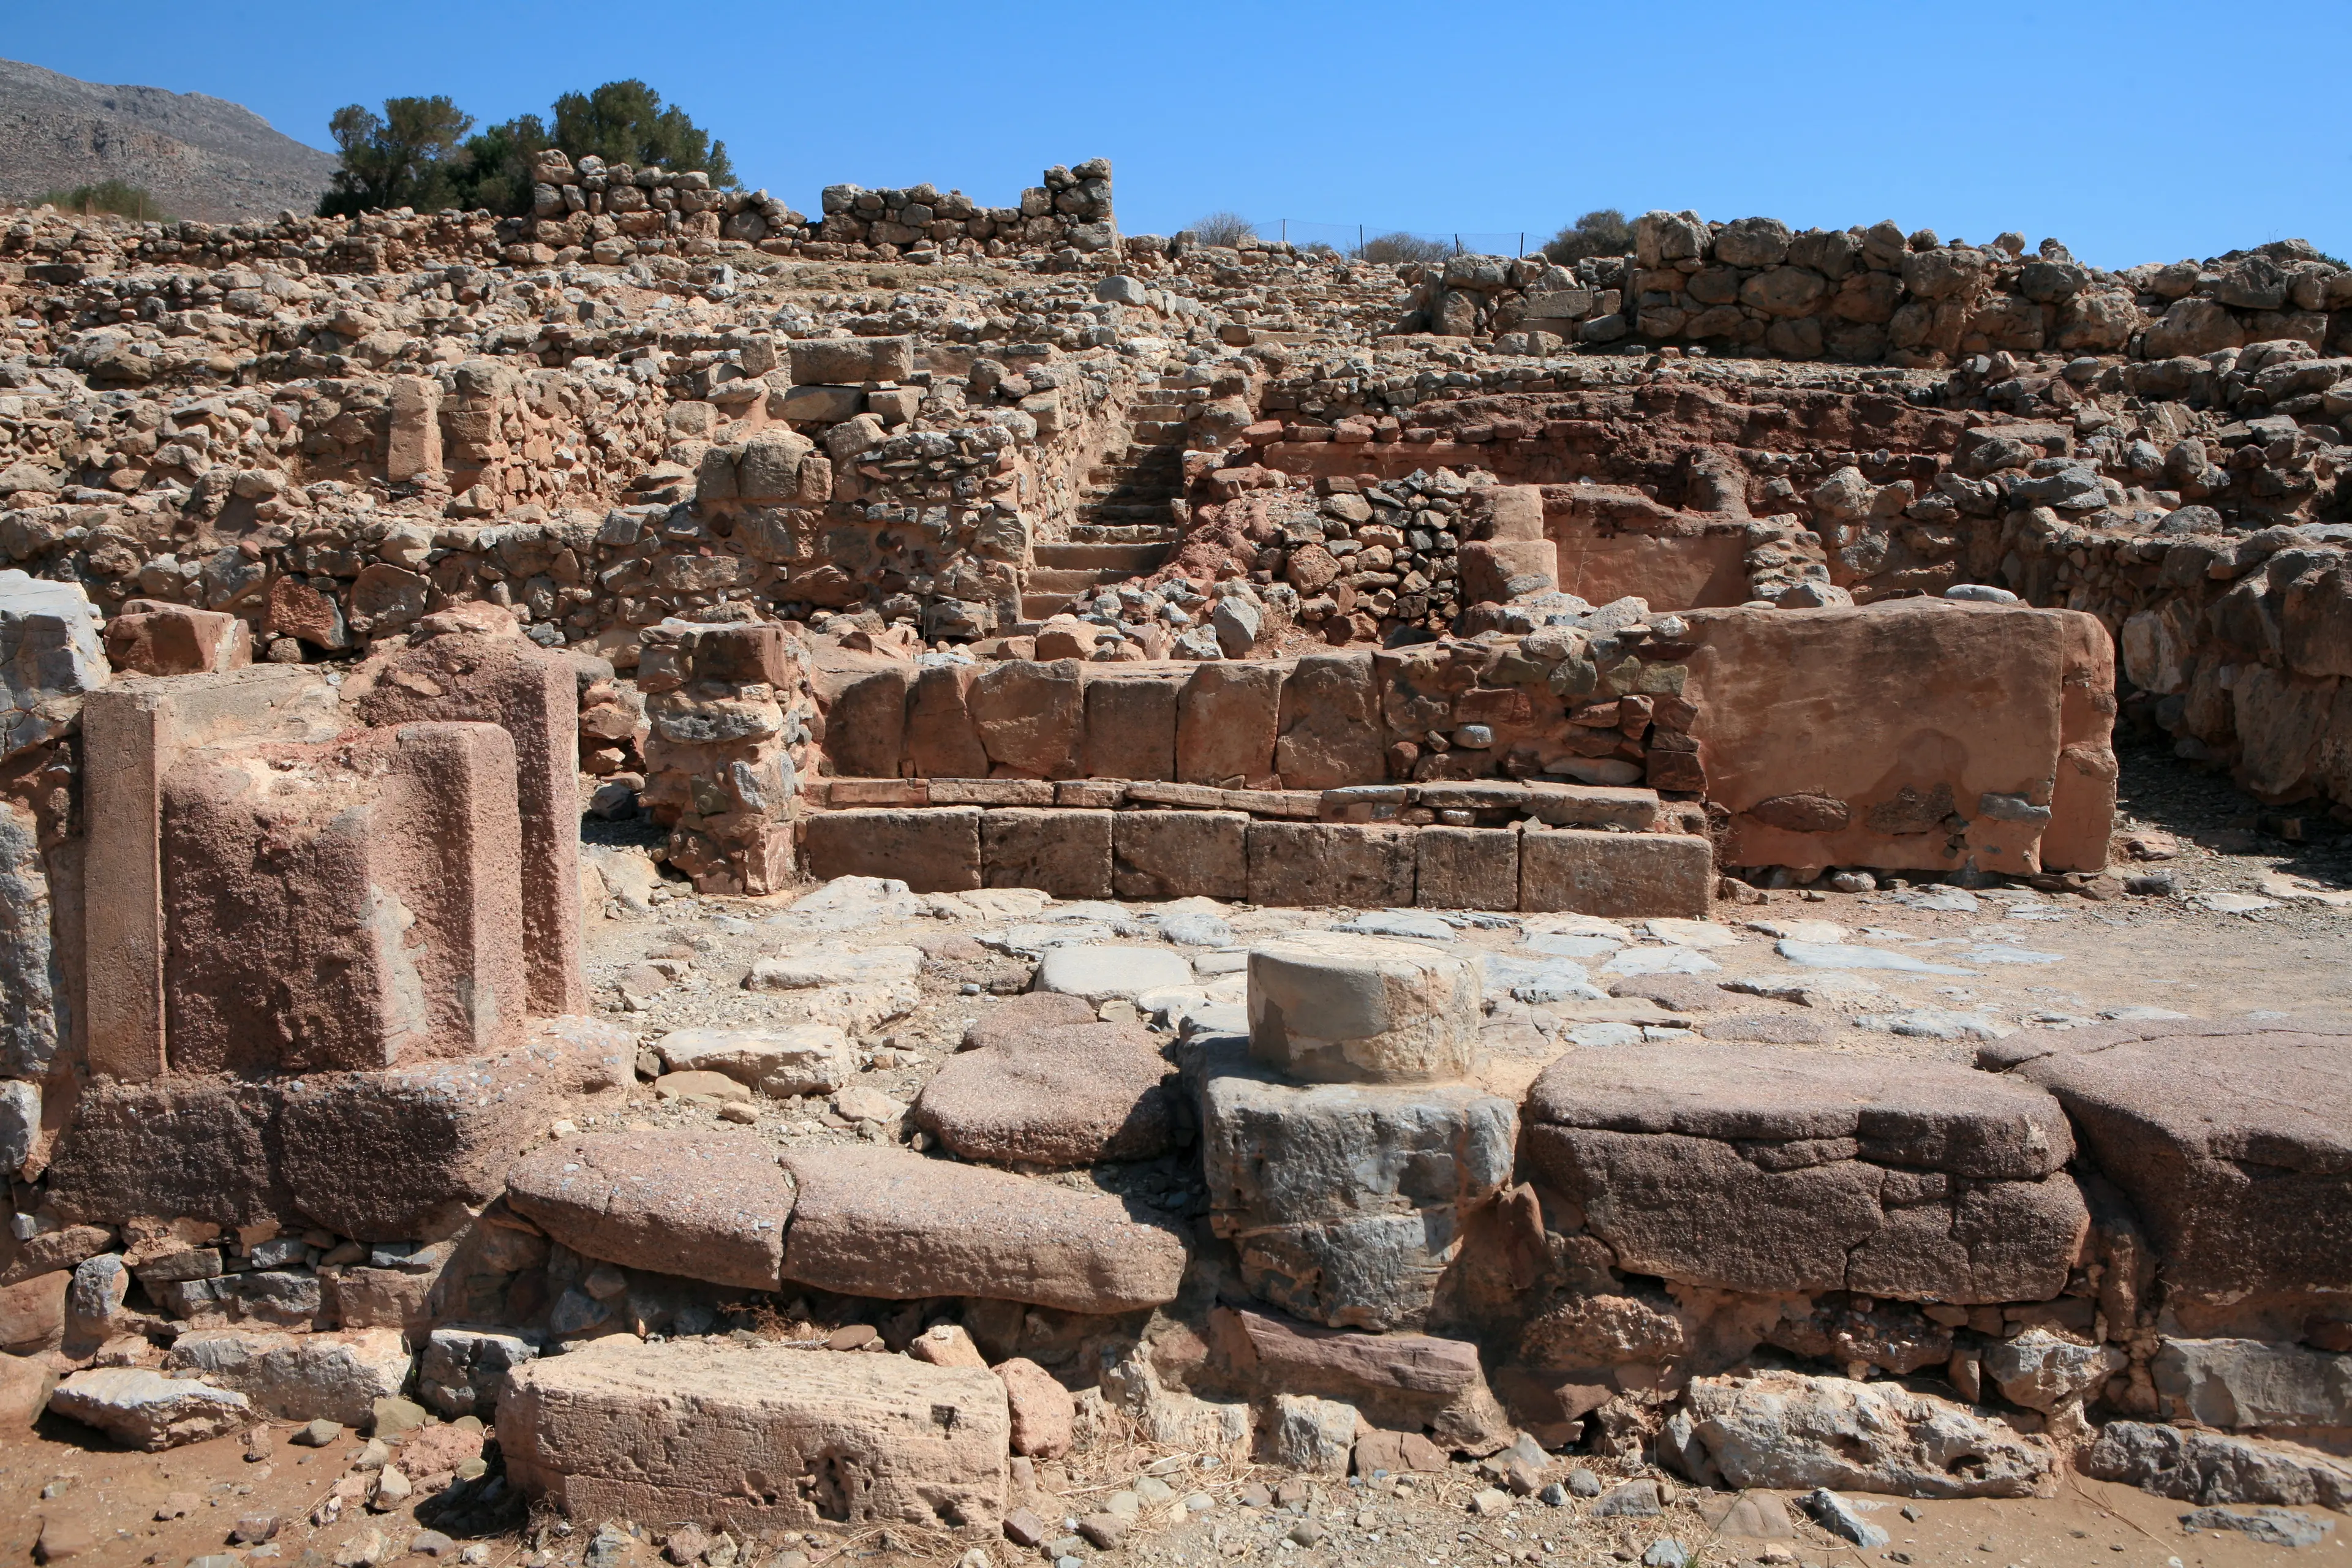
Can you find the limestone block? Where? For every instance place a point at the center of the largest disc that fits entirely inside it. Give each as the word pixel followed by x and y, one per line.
pixel 1317 1436
pixel 1785 1170
pixel 708 1206
pixel 332 1377
pixel 25 1384
pixel 464 1371
pixel 1345 1202
pixel 1062 852
pixel 1304 863
pixel 888 1223
pixel 1166 855
pixel 51 650
pixel 30 977
pixel 805 1058
pixel 33 1313
pixel 1787 1431
pixel 936 850
pixel 756 1438
pixel 1334 1007
pixel 1102 972
pixel 2213 1467
pixel 1044 1414
pixel 1620 875
pixel 143 1409
pixel 2234 1384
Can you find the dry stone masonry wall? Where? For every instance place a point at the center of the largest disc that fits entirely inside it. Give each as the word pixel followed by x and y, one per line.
pixel 1313 715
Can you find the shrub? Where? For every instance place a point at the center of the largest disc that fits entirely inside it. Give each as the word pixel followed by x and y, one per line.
pixel 1401 246
pixel 106 197
pixel 1603 232
pixel 1221 228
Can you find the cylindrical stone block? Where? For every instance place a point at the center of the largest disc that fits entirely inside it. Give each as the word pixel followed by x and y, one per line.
pixel 1330 1008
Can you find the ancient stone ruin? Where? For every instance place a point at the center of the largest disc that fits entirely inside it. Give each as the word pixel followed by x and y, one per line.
pixel 731 881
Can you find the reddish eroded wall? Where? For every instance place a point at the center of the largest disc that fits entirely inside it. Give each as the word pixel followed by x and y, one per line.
pixel 1919 734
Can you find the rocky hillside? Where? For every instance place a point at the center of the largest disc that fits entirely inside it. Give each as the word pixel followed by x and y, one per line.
pixel 202 157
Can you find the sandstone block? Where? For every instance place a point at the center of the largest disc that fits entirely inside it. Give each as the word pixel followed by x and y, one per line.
pixel 1304 863
pixel 941 742
pixel 533 694
pixel 819 361
pixel 1163 855
pixel 1466 868
pixel 2174 1111
pixel 1065 853
pixel 1044 1414
pixel 1072 1094
pixel 1620 875
pixel 33 1313
pixel 886 1223
pixel 25 1384
pixel 143 1409
pixel 758 1438
pixel 1345 1202
pixel 1333 1008
pixel 1030 716
pixel 300 1378
pixel 1130 727
pixel 150 637
pixel 385 925
pixel 805 1058
pixel 1784 1170
pixel 1787 1431
pixel 1593 805
pixel 1228 717
pixel 1404 1382
pixel 1330 724
pixel 866 722
pixel 710 1206
pixel 936 850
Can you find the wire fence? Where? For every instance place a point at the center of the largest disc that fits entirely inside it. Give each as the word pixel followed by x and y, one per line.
pixel 1370 242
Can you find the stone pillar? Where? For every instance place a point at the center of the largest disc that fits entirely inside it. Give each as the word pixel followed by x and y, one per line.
pixel 413 453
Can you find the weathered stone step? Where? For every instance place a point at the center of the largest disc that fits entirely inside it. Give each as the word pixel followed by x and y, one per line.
pixel 1127 558
pixel 1063 580
pixel 890 1224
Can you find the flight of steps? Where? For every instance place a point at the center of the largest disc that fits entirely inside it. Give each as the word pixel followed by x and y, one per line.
pixel 1125 526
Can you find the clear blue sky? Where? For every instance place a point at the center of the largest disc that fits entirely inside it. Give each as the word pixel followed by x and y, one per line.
pixel 2134 131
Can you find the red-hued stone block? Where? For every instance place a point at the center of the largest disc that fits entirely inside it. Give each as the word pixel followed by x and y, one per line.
pixel 349 905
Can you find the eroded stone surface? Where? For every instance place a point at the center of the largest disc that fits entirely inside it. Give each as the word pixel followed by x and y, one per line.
pixel 1786 1430
pixel 770 1437
pixel 886 1223
pixel 712 1206
pixel 1779 1169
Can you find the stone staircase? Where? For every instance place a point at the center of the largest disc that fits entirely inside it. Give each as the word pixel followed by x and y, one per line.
pixel 1124 524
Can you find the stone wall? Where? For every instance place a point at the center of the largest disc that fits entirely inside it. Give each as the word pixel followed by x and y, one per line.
pixel 1875 295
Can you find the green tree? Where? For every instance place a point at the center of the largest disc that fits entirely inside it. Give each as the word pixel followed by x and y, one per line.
pixel 624 122
pixel 1601 232
pixel 497 170
pixel 408 156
